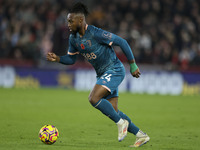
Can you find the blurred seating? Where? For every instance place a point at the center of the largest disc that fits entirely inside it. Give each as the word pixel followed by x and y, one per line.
pixel 159 31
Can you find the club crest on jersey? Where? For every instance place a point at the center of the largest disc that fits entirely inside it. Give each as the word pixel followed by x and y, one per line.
pixel 89 43
pixel 82 46
pixel 107 35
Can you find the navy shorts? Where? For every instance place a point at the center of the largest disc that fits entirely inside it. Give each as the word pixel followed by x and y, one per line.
pixel 110 80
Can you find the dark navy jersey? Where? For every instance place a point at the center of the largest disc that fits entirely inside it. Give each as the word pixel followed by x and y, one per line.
pixel 95 46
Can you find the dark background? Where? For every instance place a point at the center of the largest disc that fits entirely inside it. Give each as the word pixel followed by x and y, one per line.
pixel 160 32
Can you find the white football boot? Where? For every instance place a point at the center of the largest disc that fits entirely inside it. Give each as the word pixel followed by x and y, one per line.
pixel 122 130
pixel 141 139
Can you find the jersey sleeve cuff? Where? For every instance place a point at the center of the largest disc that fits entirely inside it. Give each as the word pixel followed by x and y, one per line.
pixel 70 53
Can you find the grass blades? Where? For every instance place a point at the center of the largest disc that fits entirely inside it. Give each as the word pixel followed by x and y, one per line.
pixel 172 122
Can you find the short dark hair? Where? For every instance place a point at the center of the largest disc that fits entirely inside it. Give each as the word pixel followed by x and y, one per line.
pixel 79 8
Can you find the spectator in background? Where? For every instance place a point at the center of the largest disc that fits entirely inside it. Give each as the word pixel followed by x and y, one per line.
pixel 168 31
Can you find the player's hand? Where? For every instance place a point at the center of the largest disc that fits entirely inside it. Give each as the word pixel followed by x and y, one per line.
pixel 52 57
pixel 136 73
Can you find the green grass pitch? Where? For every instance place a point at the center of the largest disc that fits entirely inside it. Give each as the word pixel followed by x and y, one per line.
pixel 172 122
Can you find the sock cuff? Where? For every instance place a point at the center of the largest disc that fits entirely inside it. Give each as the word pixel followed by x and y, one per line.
pixel 140 133
pixel 95 105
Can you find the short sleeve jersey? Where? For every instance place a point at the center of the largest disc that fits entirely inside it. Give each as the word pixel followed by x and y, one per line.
pixel 94 45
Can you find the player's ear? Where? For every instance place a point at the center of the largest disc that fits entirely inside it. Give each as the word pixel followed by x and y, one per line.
pixel 81 20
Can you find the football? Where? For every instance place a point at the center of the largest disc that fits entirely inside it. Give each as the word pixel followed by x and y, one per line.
pixel 48 134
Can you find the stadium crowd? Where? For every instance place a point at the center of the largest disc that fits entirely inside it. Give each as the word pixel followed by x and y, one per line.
pixel 159 31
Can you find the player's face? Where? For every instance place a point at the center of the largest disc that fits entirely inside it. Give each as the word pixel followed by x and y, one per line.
pixel 74 23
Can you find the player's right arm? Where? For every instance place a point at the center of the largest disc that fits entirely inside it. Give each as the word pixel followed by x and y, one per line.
pixel 67 59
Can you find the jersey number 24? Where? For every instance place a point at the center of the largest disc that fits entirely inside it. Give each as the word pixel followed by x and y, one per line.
pixel 107 77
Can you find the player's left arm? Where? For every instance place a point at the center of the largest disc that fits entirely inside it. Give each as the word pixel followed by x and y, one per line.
pixel 110 39
pixel 123 44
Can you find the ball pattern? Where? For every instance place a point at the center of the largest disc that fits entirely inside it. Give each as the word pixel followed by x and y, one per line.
pixel 48 134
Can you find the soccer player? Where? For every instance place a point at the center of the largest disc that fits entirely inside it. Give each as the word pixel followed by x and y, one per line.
pixel 95 45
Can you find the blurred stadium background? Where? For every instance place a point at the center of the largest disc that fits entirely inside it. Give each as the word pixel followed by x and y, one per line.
pixel 164 36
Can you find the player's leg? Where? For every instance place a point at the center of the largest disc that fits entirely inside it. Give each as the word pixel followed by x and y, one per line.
pixel 141 138
pixel 132 127
pixel 97 100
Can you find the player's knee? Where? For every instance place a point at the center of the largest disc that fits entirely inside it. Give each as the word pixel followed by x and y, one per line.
pixel 92 99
